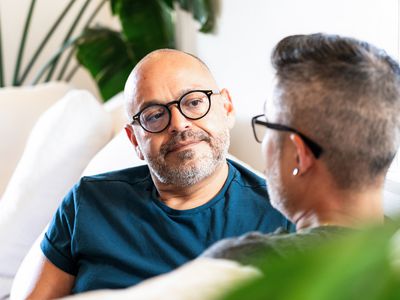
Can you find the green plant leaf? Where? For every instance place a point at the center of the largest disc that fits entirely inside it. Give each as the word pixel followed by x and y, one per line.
pixel 169 3
pixel 202 11
pixel 115 6
pixel 146 25
pixel 108 57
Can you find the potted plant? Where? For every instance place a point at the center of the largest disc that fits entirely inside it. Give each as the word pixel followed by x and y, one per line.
pixel 107 54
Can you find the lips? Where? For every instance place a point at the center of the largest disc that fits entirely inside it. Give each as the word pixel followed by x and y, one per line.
pixel 178 146
pixel 184 139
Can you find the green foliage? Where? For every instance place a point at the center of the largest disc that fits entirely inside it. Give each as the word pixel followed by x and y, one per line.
pixel 108 58
pixel 201 10
pixel 108 55
pixel 146 25
pixel 356 266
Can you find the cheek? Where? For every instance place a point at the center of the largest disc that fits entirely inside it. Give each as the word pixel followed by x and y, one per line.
pixel 268 151
pixel 150 144
pixel 215 121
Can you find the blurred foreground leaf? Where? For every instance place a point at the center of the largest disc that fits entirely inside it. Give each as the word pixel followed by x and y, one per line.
pixel 355 266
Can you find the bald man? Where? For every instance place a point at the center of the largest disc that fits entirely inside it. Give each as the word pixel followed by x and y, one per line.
pixel 116 229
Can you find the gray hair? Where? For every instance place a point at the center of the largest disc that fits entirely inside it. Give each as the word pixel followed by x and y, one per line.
pixel 344 94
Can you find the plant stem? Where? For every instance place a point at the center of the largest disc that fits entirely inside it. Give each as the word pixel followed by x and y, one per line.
pixel 44 42
pixel 66 63
pixel 72 73
pixel 1 60
pixel 22 44
pixel 67 37
pixel 70 54
pixel 51 61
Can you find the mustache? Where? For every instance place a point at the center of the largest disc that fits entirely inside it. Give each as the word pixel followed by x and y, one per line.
pixel 184 136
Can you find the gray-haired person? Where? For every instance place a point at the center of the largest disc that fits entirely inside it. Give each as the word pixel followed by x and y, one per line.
pixel 328 135
pixel 120 228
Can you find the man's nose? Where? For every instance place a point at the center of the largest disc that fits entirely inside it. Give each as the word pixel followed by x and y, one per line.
pixel 178 121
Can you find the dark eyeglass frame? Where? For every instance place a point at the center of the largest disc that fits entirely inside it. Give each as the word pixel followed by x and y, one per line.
pixel 208 93
pixel 316 149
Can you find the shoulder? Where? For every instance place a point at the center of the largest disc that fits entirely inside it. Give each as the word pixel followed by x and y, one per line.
pixel 245 176
pixel 116 185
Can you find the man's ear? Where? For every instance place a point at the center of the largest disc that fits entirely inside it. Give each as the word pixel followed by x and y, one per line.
pixel 228 107
pixel 304 156
pixel 131 136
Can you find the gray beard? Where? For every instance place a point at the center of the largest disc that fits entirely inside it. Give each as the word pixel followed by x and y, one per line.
pixel 190 169
pixel 277 192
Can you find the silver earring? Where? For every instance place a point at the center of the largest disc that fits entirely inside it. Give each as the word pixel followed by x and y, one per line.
pixel 295 171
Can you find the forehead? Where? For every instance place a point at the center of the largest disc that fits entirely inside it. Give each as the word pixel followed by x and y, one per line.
pixel 165 77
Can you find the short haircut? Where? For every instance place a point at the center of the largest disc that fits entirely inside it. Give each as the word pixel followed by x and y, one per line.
pixel 344 94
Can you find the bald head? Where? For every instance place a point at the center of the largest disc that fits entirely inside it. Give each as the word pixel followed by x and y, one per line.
pixel 165 73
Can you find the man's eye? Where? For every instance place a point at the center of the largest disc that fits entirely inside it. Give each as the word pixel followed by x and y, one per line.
pixel 155 116
pixel 194 102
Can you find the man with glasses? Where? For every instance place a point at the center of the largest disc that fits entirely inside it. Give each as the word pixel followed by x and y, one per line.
pixel 328 137
pixel 117 229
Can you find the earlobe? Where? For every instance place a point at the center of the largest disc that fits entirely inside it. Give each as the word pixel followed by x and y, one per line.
pixel 139 152
pixel 228 107
pixel 304 157
pixel 133 140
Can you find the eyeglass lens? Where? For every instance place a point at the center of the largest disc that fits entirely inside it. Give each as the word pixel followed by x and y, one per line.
pixel 259 130
pixel 156 118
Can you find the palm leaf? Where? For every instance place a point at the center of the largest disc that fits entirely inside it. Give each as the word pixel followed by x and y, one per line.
pixel 108 57
pixel 145 24
pixel 202 11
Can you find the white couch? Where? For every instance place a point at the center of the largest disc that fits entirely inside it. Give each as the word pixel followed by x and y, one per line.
pixel 70 134
pixel 50 134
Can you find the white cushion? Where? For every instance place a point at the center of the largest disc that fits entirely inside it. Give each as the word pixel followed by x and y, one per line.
pixel 61 144
pixel 116 107
pixel 200 279
pixel 117 154
pixel 19 110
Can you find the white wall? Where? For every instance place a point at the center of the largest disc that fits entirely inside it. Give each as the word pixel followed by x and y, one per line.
pixel 238 53
pixel 13 14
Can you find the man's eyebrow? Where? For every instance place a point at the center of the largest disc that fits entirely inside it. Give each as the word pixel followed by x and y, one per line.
pixel 155 101
pixel 184 91
pixel 146 104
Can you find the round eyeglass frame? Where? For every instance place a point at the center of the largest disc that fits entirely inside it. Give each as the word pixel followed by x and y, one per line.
pixel 208 93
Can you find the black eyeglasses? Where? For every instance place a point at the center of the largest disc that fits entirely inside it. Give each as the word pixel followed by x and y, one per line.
pixel 259 132
pixel 192 105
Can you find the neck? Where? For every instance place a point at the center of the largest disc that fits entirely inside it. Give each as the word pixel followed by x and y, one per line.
pixel 342 208
pixel 195 195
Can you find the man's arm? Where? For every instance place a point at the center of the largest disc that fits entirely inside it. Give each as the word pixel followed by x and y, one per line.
pixel 50 282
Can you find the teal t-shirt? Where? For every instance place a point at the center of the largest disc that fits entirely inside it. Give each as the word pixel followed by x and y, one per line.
pixel 111 231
